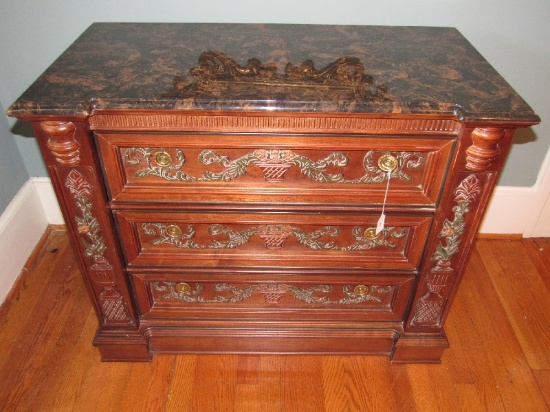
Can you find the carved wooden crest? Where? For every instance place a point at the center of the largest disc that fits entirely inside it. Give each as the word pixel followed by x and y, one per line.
pixel 219 76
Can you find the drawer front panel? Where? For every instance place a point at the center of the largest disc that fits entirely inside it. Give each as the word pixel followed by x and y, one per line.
pixel 290 169
pixel 294 240
pixel 356 297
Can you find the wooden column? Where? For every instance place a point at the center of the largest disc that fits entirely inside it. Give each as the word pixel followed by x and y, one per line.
pixel 67 147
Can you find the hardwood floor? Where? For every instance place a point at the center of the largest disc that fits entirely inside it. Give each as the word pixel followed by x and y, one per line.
pixel 499 359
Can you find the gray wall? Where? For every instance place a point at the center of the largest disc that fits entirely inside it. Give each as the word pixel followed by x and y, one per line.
pixel 13 173
pixel 513 35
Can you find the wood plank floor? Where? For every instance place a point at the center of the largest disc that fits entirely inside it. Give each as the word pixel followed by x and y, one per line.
pixel 499 359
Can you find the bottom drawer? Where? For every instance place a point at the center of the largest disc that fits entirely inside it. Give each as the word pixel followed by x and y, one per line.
pixel 354 298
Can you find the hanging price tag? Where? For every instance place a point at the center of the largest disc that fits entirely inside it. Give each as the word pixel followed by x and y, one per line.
pixel 381 223
pixel 382 219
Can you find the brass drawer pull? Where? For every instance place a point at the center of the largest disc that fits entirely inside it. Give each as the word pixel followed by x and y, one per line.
pixel 361 290
pixel 183 287
pixel 173 231
pixel 163 158
pixel 387 163
pixel 370 233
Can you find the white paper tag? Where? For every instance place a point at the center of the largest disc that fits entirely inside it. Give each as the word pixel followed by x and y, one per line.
pixel 380 224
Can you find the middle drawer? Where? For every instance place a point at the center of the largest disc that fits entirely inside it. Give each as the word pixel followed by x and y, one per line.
pixel 261 240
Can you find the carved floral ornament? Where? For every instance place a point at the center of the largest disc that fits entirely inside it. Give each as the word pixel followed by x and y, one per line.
pixel 101 271
pixel 87 224
pixel 429 307
pixel 274 237
pixel 169 164
pixel 272 293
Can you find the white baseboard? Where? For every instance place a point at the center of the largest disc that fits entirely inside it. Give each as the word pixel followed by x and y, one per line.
pixel 50 205
pixel 21 227
pixel 509 210
pixel 539 224
pixel 540 227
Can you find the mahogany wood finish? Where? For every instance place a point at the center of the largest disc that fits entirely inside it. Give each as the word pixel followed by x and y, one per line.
pixel 232 208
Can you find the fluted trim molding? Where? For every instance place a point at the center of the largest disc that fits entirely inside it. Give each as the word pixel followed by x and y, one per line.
pixel 268 123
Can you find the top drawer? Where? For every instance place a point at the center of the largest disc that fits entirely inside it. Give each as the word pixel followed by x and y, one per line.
pixel 293 169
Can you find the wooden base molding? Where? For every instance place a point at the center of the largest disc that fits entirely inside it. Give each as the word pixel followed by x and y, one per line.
pixel 123 348
pixel 219 340
pixel 419 349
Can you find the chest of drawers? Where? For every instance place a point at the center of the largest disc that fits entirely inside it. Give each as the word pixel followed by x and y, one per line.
pixel 224 185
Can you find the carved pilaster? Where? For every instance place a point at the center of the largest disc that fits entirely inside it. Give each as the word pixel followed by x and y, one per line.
pixel 62 142
pixel 429 308
pixel 102 273
pixel 484 149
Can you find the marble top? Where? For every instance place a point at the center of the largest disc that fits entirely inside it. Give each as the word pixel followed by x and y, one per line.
pixel 311 68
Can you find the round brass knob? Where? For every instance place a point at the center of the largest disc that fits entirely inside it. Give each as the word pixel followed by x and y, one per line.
pixel 361 290
pixel 173 231
pixel 183 287
pixel 387 163
pixel 163 158
pixel 370 233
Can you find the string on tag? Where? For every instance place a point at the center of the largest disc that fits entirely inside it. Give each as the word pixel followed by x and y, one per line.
pixel 382 218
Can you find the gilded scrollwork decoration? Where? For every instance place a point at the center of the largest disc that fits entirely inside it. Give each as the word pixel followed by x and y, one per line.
pixel 101 271
pixel 272 293
pixel 274 236
pixel 169 163
pixel 429 307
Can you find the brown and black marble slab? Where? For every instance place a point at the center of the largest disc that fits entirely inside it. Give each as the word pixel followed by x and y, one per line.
pixel 417 70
